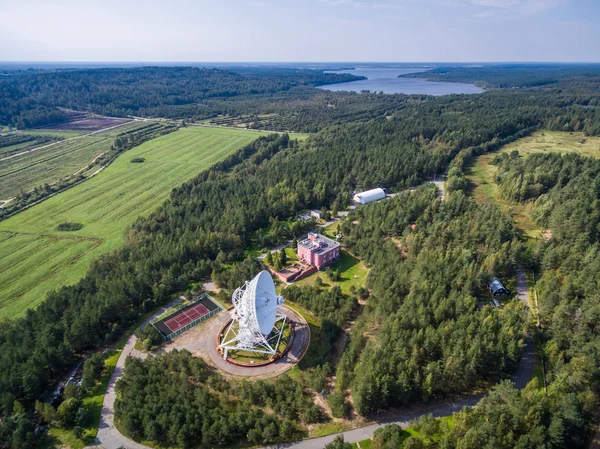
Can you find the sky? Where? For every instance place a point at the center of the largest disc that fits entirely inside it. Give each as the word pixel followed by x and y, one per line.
pixel 300 30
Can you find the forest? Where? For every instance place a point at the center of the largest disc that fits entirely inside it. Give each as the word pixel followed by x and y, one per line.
pixel 574 78
pixel 31 99
pixel 210 221
pixel 426 282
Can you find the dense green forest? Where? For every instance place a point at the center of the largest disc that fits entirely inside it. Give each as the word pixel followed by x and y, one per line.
pixel 426 283
pixel 575 78
pixel 177 400
pixel 31 98
pixel 281 99
pixel 209 222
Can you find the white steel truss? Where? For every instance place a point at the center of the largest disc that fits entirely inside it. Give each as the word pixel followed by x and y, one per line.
pixel 243 333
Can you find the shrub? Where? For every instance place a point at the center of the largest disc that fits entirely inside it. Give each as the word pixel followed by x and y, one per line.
pixel 66 226
pixel 339 407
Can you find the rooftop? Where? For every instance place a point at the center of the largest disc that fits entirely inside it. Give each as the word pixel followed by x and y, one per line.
pixel 318 243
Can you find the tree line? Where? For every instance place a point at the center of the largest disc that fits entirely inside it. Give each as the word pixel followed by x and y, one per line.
pixel 208 223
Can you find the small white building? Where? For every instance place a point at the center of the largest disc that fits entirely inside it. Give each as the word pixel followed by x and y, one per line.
pixel 315 214
pixel 369 196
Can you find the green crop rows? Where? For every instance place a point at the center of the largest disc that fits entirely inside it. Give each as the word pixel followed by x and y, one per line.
pixel 37 258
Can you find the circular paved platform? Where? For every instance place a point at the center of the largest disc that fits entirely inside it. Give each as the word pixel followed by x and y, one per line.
pixel 279 366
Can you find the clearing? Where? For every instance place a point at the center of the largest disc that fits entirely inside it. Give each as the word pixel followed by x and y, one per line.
pixel 481 174
pixel 37 258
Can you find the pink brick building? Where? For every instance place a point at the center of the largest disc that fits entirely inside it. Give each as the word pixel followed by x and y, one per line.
pixel 318 250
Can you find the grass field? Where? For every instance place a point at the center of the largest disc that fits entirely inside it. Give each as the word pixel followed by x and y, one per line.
pixel 37 258
pixel 481 174
pixel 53 162
pixel 352 270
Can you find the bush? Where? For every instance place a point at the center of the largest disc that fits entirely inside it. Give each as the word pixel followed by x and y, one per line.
pixel 66 226
pixel 67 412
pixel 313 414
pixel 149 337
pixel 317 377
pixel 388 437
pixel 137 160
pixel 339 407
pixel 92 369
pixel 78 432
pixel 338 443
pixel 413 443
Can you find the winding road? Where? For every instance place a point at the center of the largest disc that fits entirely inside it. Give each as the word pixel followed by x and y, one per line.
pixel 109 436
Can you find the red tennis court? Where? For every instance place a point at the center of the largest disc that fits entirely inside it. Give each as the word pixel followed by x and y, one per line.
pixel 185 317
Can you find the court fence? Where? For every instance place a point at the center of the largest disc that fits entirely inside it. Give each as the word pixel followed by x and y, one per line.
pixel 199 299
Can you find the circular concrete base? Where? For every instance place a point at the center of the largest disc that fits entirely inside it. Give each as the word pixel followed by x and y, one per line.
pixel 288 360
pixel 253 364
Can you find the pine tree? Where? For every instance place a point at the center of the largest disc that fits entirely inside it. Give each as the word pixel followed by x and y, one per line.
pixel 282 258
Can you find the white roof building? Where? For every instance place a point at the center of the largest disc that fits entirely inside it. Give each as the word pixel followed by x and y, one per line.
pixel 369 196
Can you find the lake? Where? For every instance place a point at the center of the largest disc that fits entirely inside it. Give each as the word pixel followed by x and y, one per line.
pixel 386 80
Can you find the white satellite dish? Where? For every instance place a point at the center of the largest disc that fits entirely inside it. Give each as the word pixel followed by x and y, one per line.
pixel 256 311
pixel 266 301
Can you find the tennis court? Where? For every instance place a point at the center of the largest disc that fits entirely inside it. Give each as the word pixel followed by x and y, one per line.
pixel 202 308
pixel 186 317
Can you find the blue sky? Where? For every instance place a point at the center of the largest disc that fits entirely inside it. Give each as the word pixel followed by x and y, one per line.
pixel 300 30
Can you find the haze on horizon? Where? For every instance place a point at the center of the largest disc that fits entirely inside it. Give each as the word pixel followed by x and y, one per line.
pixel 301 30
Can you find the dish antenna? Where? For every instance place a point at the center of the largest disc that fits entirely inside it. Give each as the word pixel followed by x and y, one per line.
pixel 255 313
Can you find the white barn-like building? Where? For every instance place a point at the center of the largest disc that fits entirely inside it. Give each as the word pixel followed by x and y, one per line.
pixel 369 196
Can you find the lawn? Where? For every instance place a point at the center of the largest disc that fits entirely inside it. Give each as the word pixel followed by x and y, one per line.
pixel 54 162
pixel 352 270
pixel 37 258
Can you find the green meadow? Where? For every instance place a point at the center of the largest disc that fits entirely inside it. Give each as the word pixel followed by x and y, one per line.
pixel 36 258
pixel 52 162
pixel 481 174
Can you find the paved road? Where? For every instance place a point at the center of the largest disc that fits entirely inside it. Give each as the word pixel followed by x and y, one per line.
pixel 520 379
pixel 108 436
pixel 439 182
pixel 522 291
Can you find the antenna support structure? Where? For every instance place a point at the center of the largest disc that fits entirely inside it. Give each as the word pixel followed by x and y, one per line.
pixel 254 319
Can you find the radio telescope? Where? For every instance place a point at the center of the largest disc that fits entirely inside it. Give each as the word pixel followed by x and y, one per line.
pixel 254 317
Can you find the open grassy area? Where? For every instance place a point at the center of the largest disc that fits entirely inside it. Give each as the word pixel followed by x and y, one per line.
pixel 37 258
pixel 53 161
pixel 352 270
pixel 481 174
pixel 556 142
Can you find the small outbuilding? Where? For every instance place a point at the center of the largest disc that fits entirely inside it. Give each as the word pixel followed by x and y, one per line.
pixel 497 288
pixel 369 196
pixel 315 214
